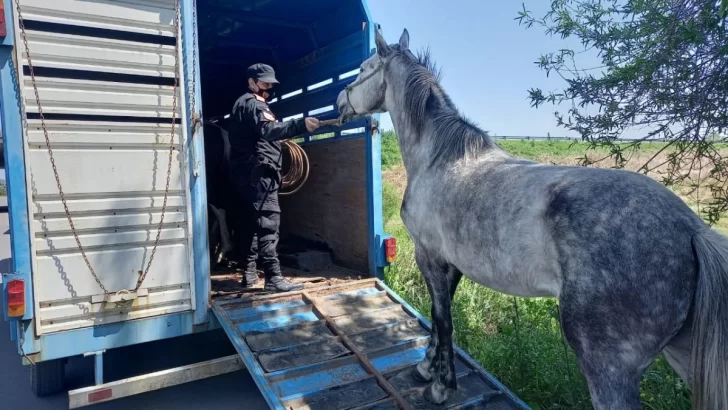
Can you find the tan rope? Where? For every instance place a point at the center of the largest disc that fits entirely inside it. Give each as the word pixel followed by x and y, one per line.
pixel 298 170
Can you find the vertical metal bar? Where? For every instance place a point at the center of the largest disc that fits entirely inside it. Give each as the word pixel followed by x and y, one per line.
pixel 14 158
pixel 99 368
pixel 375 220
pixel 197 186
pixel 98 365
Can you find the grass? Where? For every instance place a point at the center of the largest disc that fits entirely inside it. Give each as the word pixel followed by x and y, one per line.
pixel 518 340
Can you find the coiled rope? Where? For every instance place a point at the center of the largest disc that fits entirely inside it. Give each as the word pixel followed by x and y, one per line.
pixel 298 169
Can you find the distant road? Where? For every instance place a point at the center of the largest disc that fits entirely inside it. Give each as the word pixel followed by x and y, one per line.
pixel 234 391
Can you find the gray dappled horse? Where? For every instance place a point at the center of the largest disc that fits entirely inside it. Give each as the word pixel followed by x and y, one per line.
pixel 635 270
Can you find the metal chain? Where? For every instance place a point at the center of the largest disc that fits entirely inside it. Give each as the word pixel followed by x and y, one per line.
pixel 192 94
pixel 171 138
pixel 21 342
pixel 53 162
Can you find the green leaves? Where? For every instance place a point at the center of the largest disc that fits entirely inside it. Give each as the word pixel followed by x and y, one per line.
pixel 662 73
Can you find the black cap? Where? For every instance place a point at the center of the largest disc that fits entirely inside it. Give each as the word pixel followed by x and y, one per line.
pixel 262 72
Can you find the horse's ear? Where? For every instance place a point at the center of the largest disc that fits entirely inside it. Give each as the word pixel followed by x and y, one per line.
pixel 404 40
pixel 382 46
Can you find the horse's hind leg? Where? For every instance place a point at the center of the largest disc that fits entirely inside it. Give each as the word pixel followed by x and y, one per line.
pixel 442 281
pixel 613 354
pixel 612 384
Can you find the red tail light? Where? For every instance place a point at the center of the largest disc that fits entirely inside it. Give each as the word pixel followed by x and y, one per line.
pixel 3 23
pixel 390 249
pixel 15 297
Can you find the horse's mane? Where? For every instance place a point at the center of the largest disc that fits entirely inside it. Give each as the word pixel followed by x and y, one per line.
pixel 425 99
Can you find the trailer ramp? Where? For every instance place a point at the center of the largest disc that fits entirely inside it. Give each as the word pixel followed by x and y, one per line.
pixel 345 346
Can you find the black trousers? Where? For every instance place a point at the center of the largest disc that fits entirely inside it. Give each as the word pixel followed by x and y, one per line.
pixel 258 224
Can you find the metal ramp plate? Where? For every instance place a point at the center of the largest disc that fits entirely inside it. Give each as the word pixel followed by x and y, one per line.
pixel 346 346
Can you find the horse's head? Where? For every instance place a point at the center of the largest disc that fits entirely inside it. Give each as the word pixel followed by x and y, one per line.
pixel 366 95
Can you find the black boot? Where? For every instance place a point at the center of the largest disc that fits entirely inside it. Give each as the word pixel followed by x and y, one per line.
pixel 278 283
pixel 250 279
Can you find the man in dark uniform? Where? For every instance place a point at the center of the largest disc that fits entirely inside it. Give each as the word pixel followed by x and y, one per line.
pixel 255 170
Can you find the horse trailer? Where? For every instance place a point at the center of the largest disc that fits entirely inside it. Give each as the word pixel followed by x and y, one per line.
pixel 110 180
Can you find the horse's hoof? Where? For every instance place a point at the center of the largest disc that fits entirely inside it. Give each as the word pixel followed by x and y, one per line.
pixel 436 393
pixel 420 375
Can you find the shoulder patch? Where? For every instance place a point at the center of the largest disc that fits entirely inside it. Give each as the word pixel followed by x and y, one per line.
pixel 268 115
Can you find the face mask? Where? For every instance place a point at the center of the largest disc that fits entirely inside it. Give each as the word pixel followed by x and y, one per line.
pixel 271 92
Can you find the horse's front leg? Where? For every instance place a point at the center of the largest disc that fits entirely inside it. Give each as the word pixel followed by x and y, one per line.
pixel 425 369
pixel 442 281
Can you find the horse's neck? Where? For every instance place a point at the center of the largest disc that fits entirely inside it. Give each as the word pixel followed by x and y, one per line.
pixel 414 146
pixel 418 146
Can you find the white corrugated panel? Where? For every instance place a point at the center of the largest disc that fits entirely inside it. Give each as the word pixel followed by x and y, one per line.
pixel 145 16
pixel 66 96
pixel 100 55
pixel 110 139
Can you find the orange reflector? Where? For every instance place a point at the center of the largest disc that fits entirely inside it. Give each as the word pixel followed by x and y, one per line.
pixel 99 396
pixel 15 297
pixel 390 249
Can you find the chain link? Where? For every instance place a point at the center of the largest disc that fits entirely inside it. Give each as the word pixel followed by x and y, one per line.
pixel 193 101
pixel 21 342
pixel 53 162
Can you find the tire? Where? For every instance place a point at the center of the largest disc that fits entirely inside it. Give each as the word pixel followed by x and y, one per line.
pixel 48 378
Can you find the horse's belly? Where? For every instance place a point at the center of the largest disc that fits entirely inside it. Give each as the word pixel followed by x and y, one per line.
pixel 514 273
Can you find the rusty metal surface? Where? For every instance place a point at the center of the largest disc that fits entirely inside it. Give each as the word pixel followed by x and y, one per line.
pixel 288 336
pixel 319 304
pixel 360 359
pixel 302 354
pixel 388 336
pixel 345 397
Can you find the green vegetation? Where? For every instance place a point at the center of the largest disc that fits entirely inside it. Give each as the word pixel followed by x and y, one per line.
pixel 390 150
pixel 641 68
pixel 518 340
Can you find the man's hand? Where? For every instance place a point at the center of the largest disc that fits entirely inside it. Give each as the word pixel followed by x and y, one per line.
pixel 312 124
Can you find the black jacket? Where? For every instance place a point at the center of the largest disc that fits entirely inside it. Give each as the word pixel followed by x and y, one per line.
pixel 255 148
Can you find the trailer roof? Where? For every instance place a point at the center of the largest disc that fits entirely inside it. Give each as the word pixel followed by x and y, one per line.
pixel 305 42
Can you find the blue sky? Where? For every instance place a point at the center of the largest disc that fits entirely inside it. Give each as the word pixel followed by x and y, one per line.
pixel 487 58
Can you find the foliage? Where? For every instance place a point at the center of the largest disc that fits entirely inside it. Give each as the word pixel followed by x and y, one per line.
pixel 663 73
pixel 517 340
pixel 390 150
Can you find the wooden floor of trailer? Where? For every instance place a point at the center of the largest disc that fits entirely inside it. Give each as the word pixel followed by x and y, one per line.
pixel 226 281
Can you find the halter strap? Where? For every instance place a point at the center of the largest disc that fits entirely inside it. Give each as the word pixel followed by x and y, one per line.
pixel 351 86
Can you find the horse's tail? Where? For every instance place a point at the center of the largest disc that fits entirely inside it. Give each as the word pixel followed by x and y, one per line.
pixel 709 361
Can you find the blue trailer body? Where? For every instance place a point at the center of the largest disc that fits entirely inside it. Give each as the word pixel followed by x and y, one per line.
pixel 346 56
pixel 314 63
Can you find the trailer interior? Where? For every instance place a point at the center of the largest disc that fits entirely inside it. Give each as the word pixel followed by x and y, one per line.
pixel 316 49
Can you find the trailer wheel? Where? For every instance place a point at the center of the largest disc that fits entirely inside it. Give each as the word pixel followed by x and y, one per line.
pixel 47 378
